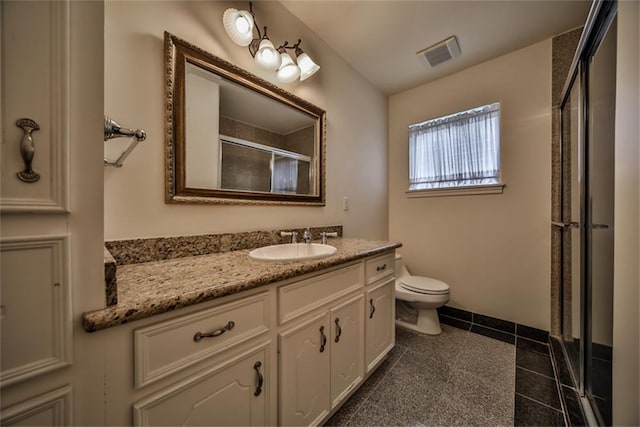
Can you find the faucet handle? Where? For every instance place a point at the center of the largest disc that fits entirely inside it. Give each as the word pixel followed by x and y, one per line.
pixel 326 234
pixel 293 234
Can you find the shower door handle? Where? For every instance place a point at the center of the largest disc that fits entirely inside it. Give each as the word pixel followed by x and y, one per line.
pixel 565 225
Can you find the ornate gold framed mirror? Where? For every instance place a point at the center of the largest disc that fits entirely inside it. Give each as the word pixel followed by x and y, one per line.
pixel 234 138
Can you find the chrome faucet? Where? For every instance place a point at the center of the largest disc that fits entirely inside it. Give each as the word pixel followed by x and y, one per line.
pixel 306 236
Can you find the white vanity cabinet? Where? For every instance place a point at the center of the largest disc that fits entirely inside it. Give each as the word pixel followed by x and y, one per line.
pixel 288 353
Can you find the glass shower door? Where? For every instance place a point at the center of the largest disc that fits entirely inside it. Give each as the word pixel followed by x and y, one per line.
pixel 600 217
pixel 587 160
pixel 572 232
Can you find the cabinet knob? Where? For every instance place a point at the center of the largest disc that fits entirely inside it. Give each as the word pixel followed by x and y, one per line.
pixel 338 329
pixel 199 335
pixel 381 267
pixel 372 308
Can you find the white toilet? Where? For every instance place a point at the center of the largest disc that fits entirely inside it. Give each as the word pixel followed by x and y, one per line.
pixel 417 299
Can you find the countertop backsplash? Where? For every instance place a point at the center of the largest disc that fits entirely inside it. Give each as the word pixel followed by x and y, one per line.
pixel 137 251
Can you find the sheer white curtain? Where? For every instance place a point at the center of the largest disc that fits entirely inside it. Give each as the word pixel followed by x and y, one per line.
pixel 285 175
pixel 458 150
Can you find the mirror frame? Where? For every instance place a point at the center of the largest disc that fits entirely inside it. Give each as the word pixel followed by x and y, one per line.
pixel 176 54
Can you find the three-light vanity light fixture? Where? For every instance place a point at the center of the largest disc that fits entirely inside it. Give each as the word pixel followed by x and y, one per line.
pixel 240 24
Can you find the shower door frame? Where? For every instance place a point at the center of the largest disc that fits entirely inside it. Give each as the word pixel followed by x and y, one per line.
pixel 578 73
pixel 601 16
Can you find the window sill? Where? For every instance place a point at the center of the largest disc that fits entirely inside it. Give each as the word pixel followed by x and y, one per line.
pixel 457 191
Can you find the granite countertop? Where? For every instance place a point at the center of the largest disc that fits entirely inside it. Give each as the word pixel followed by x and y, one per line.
pixel 152 288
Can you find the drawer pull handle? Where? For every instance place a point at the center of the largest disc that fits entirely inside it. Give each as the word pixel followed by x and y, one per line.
pixel 373 308
pixel 338 329
pixel 323 339
pixel 199 335
pixel 257 367
pixel 381 267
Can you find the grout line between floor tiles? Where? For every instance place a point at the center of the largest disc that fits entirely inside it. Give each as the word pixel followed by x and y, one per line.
pixel 433 410
pixel 541 403
pixel 487 381
pixel 452 368
pixel 493 329
pixel 367 397
pixel 361 404
pixel 472 323
pixel 565 411
pixel 538 373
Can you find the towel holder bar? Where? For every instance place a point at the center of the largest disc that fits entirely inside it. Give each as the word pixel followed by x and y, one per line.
pixel 112 129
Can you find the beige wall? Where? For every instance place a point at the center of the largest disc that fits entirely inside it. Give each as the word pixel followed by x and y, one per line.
pixel 493 250
pixel 134 95
pixel 626 322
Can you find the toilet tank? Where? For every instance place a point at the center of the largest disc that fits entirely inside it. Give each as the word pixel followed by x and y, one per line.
pixel 401 269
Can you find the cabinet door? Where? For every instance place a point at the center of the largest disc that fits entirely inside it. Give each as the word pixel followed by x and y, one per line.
pixel 305 372
pixel 380 321
pixel 235 394
pixel 347 348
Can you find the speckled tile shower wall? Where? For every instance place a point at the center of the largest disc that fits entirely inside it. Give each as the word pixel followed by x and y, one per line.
pixel 563 48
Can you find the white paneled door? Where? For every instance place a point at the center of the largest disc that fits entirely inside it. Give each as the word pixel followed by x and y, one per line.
pixel 51 74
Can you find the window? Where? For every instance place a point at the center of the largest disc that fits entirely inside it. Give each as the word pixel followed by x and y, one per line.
pixel 458 150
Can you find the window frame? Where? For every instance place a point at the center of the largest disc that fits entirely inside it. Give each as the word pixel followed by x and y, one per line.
pixel 477 189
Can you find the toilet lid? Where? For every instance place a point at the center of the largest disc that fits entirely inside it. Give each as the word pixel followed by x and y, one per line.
pixel 424 285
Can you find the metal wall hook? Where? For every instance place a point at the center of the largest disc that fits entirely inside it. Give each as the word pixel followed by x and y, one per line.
pixel 27 150
pixel 112 129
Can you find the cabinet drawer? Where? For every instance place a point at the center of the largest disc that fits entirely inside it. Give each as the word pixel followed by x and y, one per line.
pixel 167 347
pixel 301 297
pixel 380 267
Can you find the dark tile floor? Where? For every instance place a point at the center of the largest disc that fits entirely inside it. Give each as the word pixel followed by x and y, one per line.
pixel 456 378
pixel 461 377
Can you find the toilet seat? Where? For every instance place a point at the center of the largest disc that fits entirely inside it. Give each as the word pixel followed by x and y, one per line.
pixel 424 285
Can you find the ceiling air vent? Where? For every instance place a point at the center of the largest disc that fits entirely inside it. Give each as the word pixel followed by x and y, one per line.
pixel 441 52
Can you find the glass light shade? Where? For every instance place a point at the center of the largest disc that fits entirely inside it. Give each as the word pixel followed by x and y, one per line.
pixel 239 26
pixel 267 56
pixel 307 67
pixel 288 70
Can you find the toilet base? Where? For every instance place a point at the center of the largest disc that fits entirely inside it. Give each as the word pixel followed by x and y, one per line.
pixel 427 322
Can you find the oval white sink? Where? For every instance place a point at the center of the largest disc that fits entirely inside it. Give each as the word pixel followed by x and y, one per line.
pixel 292 252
